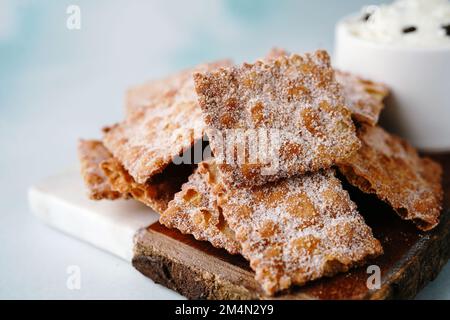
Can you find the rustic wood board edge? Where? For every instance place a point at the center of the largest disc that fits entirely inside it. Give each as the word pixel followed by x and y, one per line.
pixel 419 266
pixel 193 273
pixel 196 271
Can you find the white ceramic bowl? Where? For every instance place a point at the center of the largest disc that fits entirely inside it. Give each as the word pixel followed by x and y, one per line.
pixel 419 78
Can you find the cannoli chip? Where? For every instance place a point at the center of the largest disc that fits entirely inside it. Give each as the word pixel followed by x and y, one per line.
pixel 295 100
pixel 194 211
pixel 363 97
pixel 163 120
pixel 91 153
pixel 389 167
pixel 298 229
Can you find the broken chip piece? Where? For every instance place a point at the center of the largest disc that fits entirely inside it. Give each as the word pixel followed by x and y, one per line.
pixel 194 211
pixel 298 229
pixel 363 97
pixel 389 167
pixel 155 193
pixel 295 99
pixel 91 153
pixel 163 120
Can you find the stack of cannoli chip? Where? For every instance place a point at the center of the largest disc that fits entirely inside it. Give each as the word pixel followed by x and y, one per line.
pixel 286 213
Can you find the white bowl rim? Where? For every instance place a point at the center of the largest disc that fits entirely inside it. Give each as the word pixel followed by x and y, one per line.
pixel 385 46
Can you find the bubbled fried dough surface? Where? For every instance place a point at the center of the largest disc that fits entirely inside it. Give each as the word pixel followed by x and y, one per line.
pixel 155 193
pixel 363 97
pixel 389 167
pixel 297 97
pixel 298 229
pixel 163 119
pixel 91 153
pixel 194 211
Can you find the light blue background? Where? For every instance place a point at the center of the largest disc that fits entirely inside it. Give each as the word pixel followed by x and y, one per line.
pixel 57 85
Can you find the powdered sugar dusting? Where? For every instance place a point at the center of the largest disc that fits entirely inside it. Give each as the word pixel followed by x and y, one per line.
pixel 392 169
pixel 363 97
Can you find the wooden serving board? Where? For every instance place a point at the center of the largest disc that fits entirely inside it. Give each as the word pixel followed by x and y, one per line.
pixel 197 270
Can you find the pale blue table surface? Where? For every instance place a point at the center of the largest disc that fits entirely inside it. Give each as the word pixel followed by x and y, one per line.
pixel 57 85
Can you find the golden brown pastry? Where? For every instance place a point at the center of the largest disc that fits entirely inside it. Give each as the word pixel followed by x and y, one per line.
pixel 295 100
pixel 389 167
pixel 91 153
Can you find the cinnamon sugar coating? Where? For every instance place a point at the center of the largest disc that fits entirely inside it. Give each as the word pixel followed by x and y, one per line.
pixel 391 168
pixel 363 97
pixel 295 98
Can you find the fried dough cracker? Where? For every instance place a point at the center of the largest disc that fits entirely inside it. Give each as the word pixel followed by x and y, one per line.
pixel 91 153
pixel 298 229
pixel 363 97
pixel 163 120
pixel 389 167
pixel 295 100
pixel 155 193
pixel 194 211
